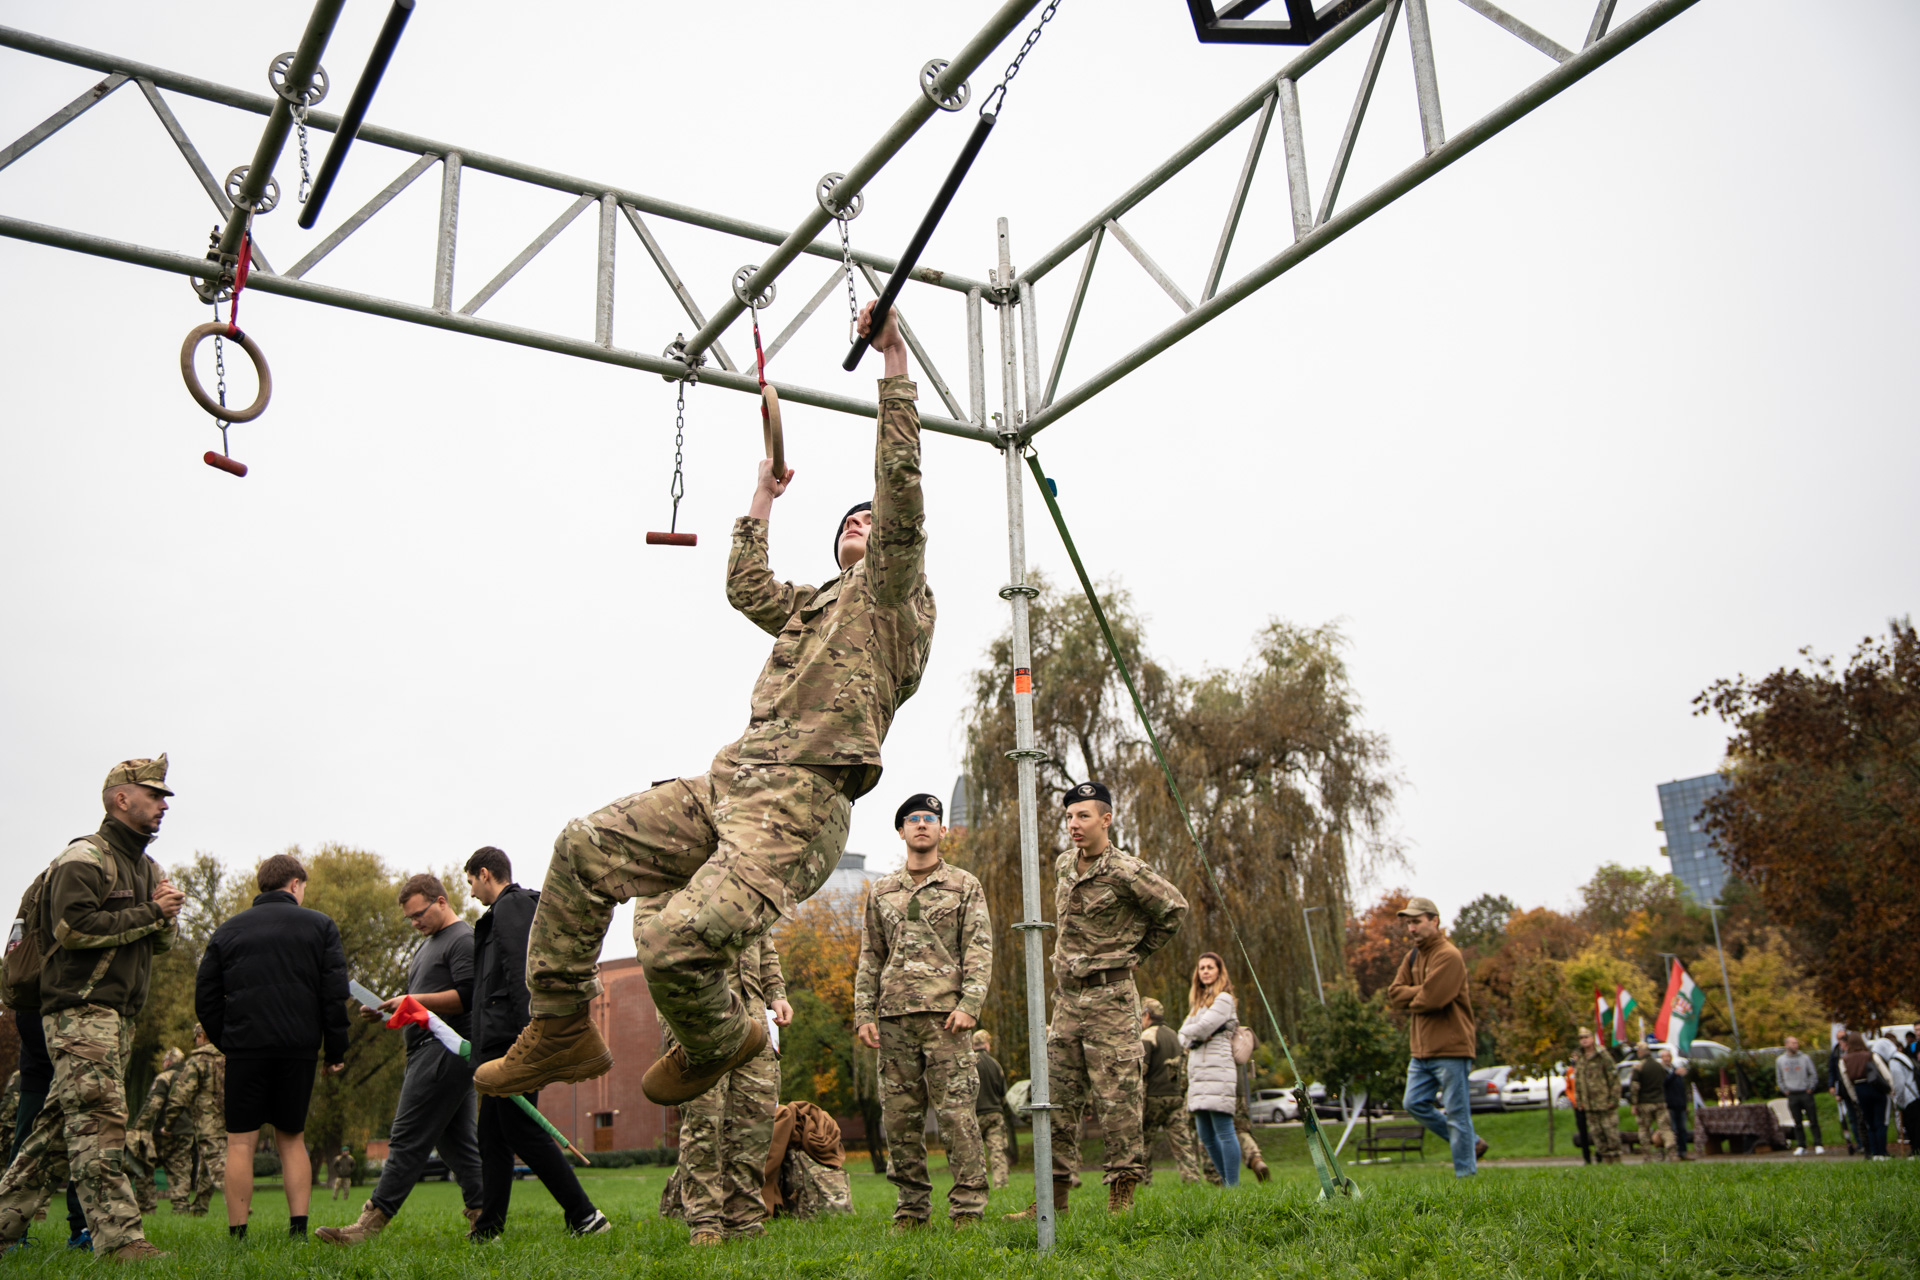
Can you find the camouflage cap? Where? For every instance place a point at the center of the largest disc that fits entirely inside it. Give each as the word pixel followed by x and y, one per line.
pixel 1154 1008
pixel 1419 907
pixel 147 773
pixel 982 1038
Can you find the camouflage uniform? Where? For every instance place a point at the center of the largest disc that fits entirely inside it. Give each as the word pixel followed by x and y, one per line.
pixel 1596 1087
pixel 994 1140
pixel 711 862
pixel 727 1132
pixel 143 1150
pixel 10 1110
pixel 926 950
pixel 195 1122
pixel 342 1167
pixel 1656 1126
pixel 1164 1109
pixel 99 929
pixel 1111 917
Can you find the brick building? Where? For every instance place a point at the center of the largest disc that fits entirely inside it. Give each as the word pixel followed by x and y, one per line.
pixel 611 1114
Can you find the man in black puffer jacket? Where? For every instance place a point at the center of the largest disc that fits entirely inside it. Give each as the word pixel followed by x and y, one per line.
pixel 500 1010
pixel 272 992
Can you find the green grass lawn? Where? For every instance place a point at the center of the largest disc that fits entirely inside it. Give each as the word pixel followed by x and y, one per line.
pixel 1779 1218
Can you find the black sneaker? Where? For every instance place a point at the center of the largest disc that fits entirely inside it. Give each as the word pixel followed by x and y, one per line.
pixel 598 1224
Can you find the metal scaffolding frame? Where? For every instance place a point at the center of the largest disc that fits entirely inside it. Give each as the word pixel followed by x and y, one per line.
pixel 1030 402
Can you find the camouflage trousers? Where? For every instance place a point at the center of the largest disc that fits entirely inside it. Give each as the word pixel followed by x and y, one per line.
pixel 176 1157
pixel 725 1135
pixel 1093 1058
pixel 141 1159
pixel 1603 1131
pixel 1169 1116
pixel 993 1139
pixel 203 1169
pixel 1656 1131
pixel 922 1065
pixel 80 1132
pixel 708 870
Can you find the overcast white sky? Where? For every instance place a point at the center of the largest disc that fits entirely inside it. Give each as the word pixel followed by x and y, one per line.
pixel 1618 405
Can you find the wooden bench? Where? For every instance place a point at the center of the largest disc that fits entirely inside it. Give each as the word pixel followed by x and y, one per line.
pixel 1397 1138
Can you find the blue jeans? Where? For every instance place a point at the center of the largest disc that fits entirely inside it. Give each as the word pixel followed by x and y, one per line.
pixel 1221 1142
pixel 1444 1080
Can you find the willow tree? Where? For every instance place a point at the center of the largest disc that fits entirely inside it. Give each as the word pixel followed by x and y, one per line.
pixel 1289 793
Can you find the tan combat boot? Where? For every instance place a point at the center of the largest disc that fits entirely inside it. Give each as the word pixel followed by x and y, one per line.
pixel 706 1240
pixel 1260 1169
pixel 372 1223
pixel 1120 1195
pixel 549 1051
pixel 138 1251
pixel 672 1080
pixel 1060 1189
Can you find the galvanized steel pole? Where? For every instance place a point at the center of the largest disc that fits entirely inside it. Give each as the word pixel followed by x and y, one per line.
pixel 1026 754
pixel 963 65
pixel 313 42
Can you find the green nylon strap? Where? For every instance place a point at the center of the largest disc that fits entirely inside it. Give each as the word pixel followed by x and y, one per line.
pixel 1325 1163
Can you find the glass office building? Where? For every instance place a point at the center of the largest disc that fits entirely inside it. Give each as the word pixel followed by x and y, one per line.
pixel 1695 861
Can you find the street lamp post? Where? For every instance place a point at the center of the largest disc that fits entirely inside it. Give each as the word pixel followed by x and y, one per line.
pixel 1713 912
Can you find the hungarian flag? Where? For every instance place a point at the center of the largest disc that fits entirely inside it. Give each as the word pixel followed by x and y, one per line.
pixel 1624 1007
pixel 1679 1020
pixel 1599 1016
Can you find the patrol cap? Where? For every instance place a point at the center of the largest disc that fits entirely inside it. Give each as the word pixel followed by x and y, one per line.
pixel 838 528
pixel 147 773
pixel 1419 907
pixel 1154 1008
pixel 925 802
pixel 1087 791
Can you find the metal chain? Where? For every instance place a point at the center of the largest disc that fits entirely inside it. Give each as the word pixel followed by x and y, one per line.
pixel 991 104
pixel 306 179
pixel 853 299
pixel 679 487
pixel 220 371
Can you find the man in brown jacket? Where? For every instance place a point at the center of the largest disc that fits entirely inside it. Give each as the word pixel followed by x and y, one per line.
pixel 1432 986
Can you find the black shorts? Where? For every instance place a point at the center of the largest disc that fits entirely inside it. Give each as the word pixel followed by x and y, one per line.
pixel 272 1091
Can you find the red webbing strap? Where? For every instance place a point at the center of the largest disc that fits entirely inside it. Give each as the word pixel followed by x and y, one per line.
pixel 240 280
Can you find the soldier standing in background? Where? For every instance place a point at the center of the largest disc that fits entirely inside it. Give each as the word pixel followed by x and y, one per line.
pixel 105 908
pixel 1648 1096
pixel 1113 911
pixel 143 1144
pixel 926 956
pixel 726 1134
pixel 990 1110
pixel 195 1123
pixel 342 1167
pixel 1164 1109
pixel 1597 1094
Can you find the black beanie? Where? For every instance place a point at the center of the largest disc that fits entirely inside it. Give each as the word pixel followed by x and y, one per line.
pixel 858 506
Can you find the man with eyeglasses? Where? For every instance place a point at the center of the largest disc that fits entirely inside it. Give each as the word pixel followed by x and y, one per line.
pixel 436 1110
pixel 926 954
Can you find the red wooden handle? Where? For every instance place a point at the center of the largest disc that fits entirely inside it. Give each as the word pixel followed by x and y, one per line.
pixel 221 462
pixel 656 539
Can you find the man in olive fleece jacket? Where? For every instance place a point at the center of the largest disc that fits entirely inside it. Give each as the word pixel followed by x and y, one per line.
pixel 1432 986
pixel 105 909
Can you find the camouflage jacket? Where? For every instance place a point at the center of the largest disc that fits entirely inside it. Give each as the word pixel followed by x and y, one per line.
pixel 1596 1082
pixel 149 1118
pixel 100 925
pixel 196 1102
pixel 848 653
pixel 925 947
pixel 1113 915
pixel 757 976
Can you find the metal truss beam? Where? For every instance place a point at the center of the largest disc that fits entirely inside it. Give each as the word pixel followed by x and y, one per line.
pixel 1314 231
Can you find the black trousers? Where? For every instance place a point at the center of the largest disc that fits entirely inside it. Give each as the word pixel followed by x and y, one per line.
pixel 1805 1115
pixel 1681 1134
pixel 1583 1140
pixel 504 1131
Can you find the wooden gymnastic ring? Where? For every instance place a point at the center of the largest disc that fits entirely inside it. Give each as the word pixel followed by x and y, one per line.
pixel 770 434
pixel 226 414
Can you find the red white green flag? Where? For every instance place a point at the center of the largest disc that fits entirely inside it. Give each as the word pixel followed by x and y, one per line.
pixel 1624 1007
pixel 1600 1010
pixel 1679 1020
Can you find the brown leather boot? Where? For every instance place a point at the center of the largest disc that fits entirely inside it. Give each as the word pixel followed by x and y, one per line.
pixel 372 1222
pixel 1260 1169
pixel 549 1051
pixel 1060 1189
pixel 1120 1195
pixel 672 1080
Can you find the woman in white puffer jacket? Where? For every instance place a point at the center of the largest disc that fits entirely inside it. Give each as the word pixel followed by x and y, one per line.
pixel 1212 1076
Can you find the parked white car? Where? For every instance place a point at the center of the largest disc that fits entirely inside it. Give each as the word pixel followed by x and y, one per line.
pixel 1273 1106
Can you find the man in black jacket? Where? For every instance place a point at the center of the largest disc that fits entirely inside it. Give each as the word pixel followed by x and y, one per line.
pixel 271 993
pixel 500 1010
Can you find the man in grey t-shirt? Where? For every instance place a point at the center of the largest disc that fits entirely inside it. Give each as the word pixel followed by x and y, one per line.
pixel 1797 1077
pixel 436 1095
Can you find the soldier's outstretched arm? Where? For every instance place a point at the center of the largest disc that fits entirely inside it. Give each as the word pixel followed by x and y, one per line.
pixel 896 549
pixel 751 586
